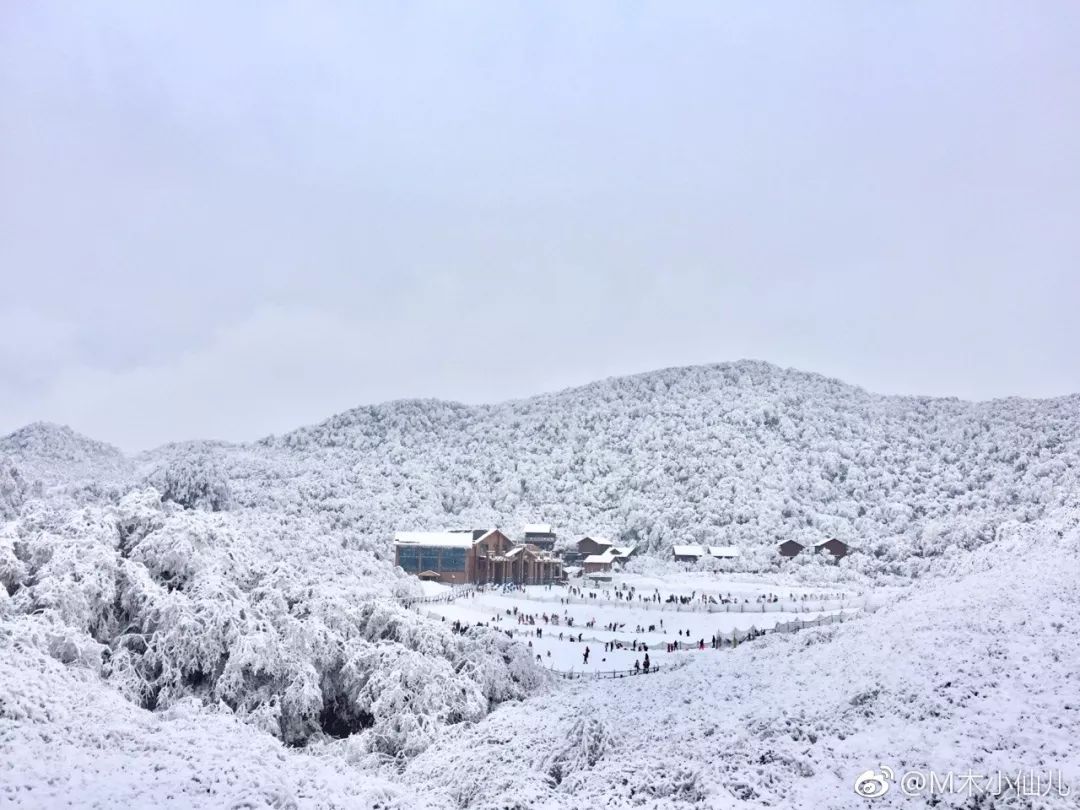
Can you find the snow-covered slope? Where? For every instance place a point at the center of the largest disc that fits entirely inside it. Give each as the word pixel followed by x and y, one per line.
pixel 71 741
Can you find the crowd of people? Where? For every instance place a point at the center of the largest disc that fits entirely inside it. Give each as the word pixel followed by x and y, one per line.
pixel 533 624
pixel 628 593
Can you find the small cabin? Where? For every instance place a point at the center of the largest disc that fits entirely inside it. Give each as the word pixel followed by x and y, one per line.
pixel 597 562
pixel 791 548
pixel 838 548
pixel 688 553
pixel 723 552
pixel 593 545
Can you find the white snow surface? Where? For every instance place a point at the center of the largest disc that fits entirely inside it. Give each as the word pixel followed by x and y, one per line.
pixel 451 539
pixel 70 741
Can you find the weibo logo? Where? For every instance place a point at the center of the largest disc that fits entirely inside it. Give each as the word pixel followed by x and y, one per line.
pixel 872 784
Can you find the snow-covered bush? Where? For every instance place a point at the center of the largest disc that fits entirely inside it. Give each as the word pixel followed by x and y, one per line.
pixel 171 603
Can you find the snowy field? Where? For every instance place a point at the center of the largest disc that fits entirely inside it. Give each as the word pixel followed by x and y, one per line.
pixel 668 617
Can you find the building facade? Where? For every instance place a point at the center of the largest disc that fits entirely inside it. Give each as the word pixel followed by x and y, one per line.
pixel 540 535
pixel 473 556
pixel 688 553
pixel 454 557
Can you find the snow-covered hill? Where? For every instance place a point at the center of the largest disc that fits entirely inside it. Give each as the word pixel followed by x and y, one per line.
pixel 740 453
pixel 55 454
pixel 205 583
pixel 744 453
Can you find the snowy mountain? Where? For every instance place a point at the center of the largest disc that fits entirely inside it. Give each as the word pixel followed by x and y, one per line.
pixel 742 454
pixel 245 593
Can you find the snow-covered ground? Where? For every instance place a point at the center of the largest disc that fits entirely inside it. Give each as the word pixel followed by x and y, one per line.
pixel 69 740
pixel 559 622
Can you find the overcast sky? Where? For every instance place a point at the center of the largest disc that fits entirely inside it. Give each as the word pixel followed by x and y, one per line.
pixel 224 220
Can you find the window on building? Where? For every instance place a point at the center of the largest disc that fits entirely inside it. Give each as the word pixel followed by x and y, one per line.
pixel 409 558
pixel 453 559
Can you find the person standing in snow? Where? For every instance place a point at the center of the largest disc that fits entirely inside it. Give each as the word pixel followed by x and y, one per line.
pixel 586 655
pixel 646 662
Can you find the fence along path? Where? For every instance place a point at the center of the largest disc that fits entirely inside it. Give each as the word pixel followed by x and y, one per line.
pixel 783 606
pixel 615 674
pixel 729 640
pixel 442 598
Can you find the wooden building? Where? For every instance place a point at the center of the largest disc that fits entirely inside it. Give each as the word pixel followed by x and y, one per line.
pixel 723 552
pixel 838 548
pixel 688 553
pixel 597 562
pixel 475 556
pixel 593 545
pixel 540 535
pixel 611 557
pixel 454 557
pixel 791 548
pixel 586 547
pixel 526 565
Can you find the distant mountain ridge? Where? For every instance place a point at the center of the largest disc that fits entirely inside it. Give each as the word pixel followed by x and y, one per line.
pixel 738 453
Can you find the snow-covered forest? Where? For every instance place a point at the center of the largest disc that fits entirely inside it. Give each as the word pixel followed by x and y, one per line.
pixel 245 594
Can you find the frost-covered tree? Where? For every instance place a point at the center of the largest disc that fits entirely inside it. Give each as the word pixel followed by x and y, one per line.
pixel 195 481
pixel 279 619
pixel 13 489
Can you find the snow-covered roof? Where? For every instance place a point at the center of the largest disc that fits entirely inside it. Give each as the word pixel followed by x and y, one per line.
pixel 621 553
pixel 599 558
pixel 600 541
pixel 537 528
pixel 458 539
pixel 688 551
pixel 723 551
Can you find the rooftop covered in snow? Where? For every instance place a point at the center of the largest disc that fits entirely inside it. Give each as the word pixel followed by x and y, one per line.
pixel 462 538
pixel 723 551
